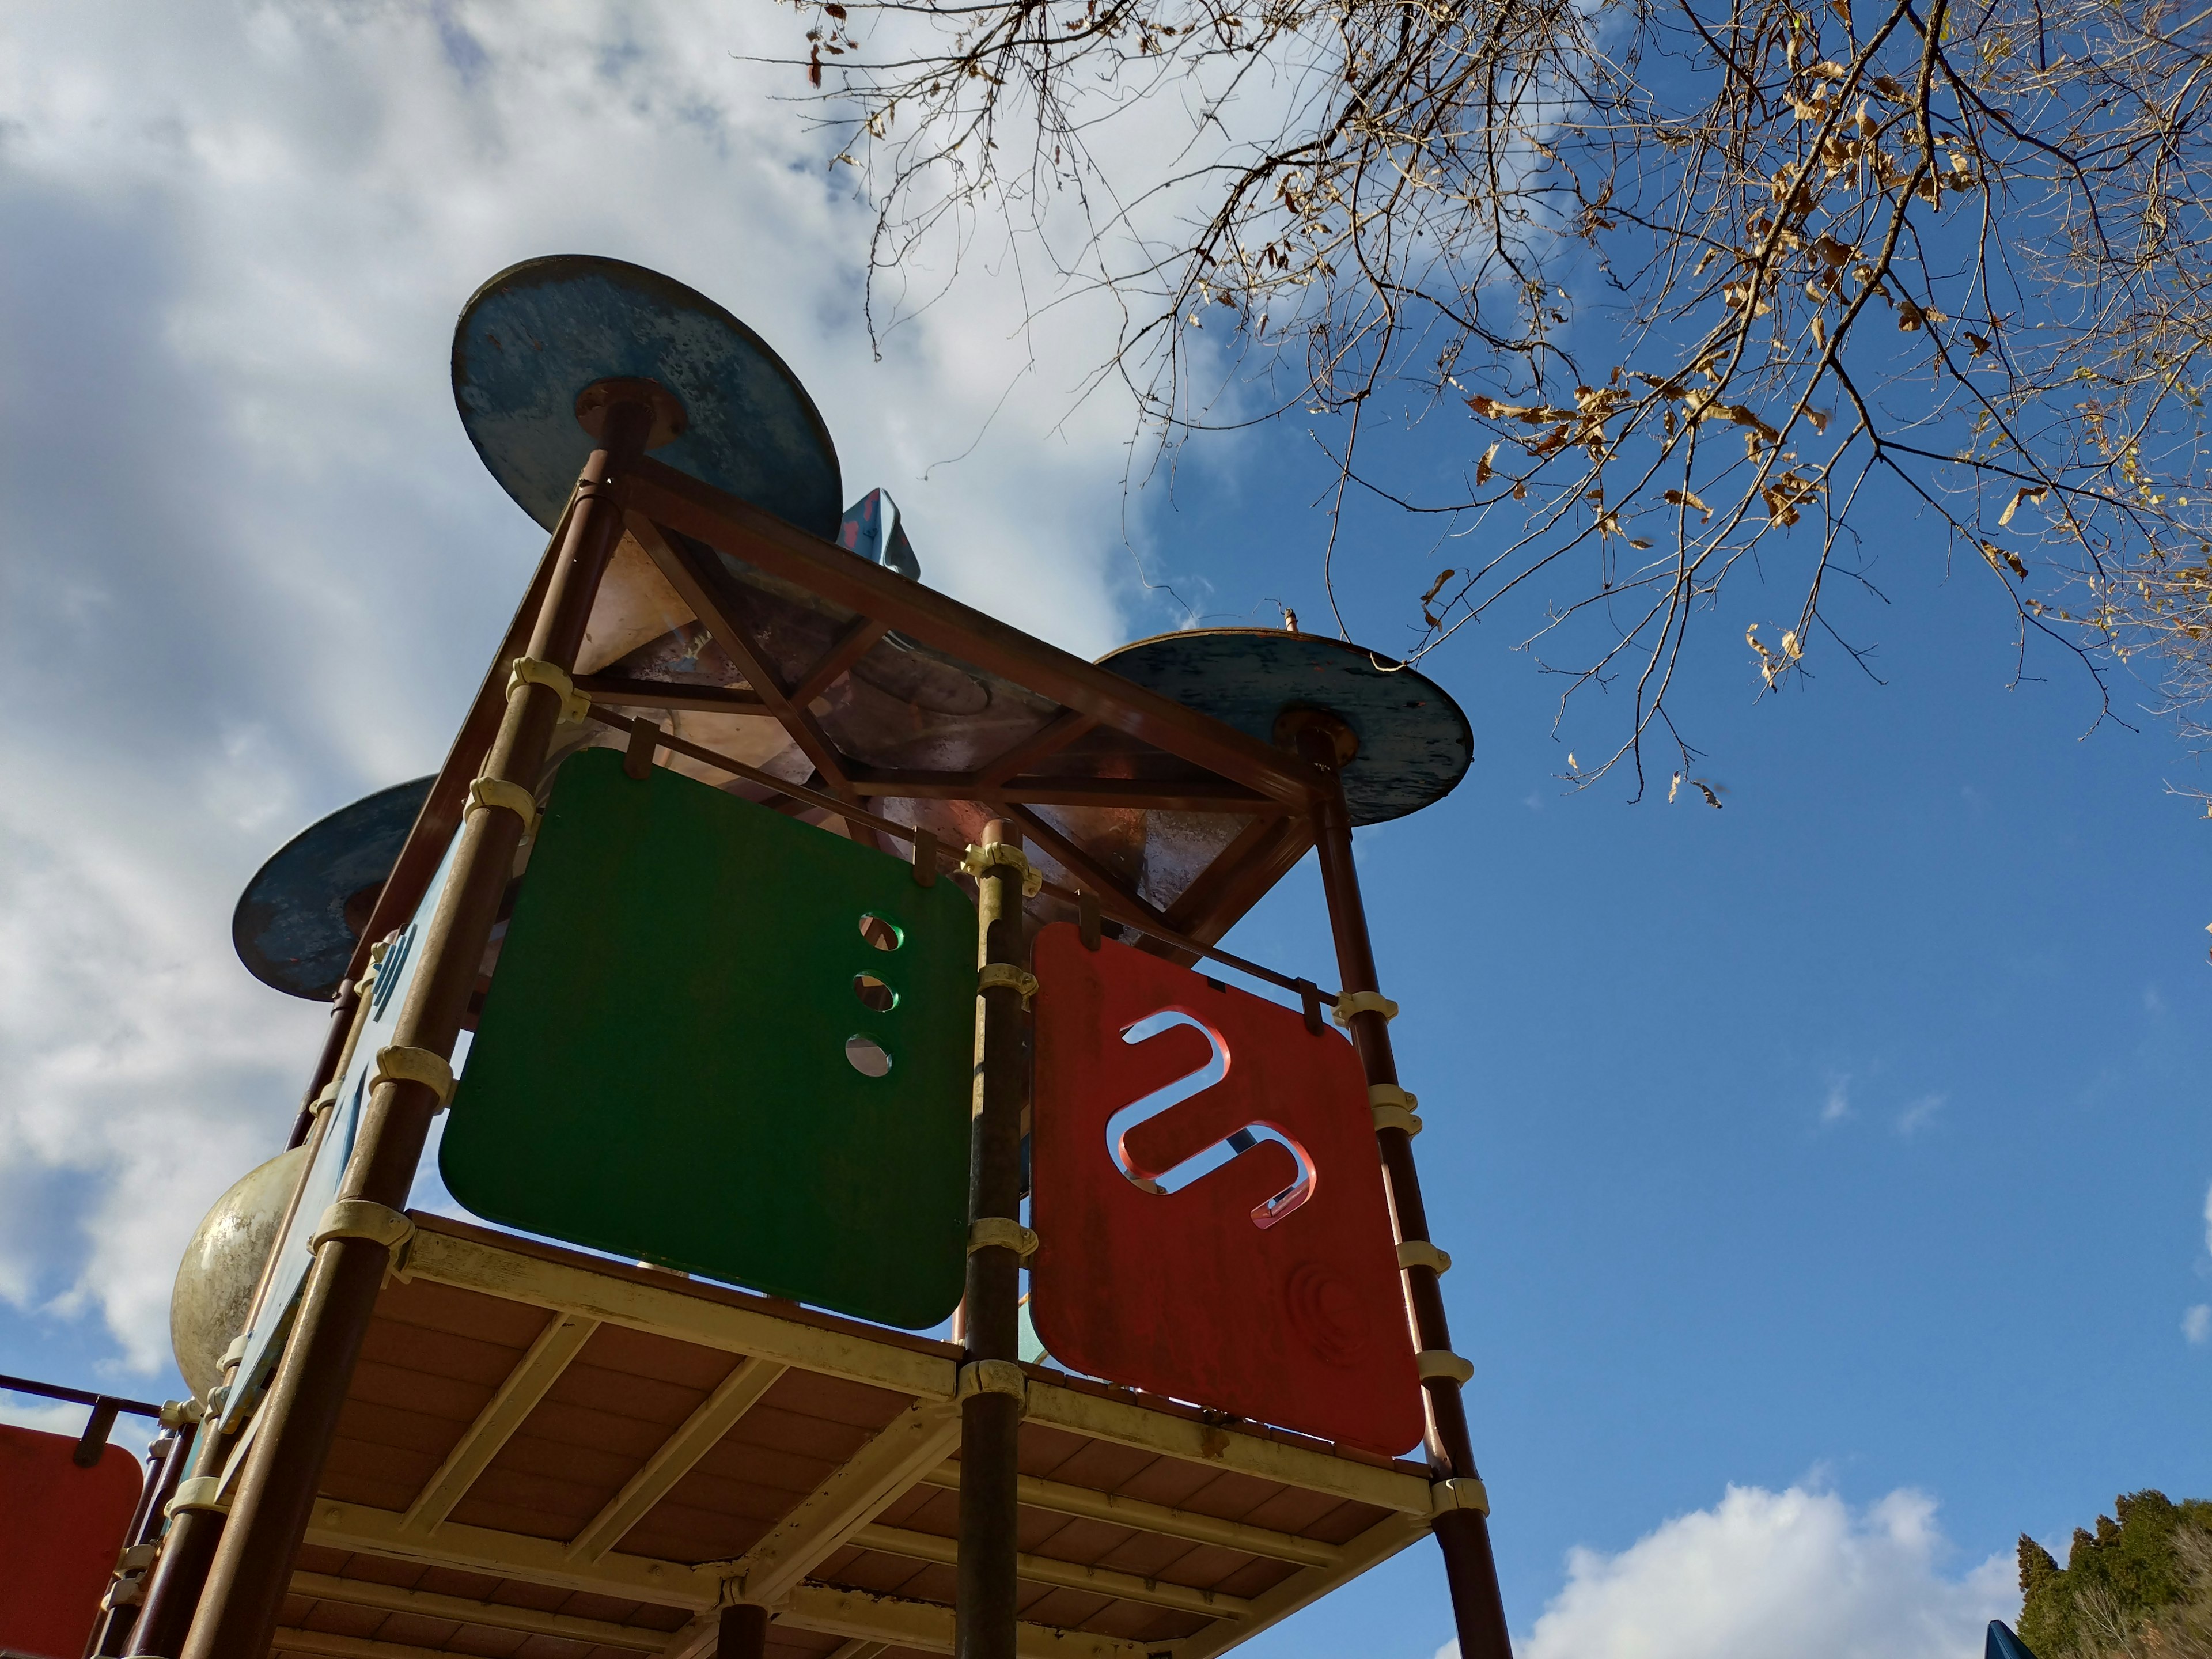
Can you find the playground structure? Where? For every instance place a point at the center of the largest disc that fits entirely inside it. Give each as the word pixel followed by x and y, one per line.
pixel 808 924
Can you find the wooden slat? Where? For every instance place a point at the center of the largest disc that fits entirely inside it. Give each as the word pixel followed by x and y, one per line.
pixel 512 1555
pixel 564 1335
pixel 1050 739
pixel 492 1615
pixel 569 1287
pixel 928 1625
pixel 328 1645
pixel 700 1433
pixel 1306 1467
pixel 1141 1516
pixel 859 1647
pixel 1062 1574
pixel 818 1526
pixel 1301 1589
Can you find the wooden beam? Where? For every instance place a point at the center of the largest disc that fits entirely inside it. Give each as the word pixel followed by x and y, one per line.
pixel 1061 1574
pixel 474 1265
pixel 513 1555
pixel 700 1433
pixel 539 1368
pixel 1301 1589
pixel 661 493
pixel 848 647
pixel 855 1615
pixel 1244 870
pixel 492 1615
pixel 1054 735
pixel 701 589
pixel 700 1640
pixel 620 691
pixel 1093 873
pixel 326 1645
pixel 1141 1516
pixel 859 1647
pixel 1307 1468
pixel 817 1527
pixel 1186 794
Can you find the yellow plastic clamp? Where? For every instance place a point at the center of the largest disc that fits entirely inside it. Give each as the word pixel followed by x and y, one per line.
pixel 360 1217
pixel 998 1231
pixel 991 1377
pixel 232 1354
pixel 977 859
pixel 1393 1108
pixel 536 670
pixel 485 794
pixel 201 1491
pixel 1349 1003
pixel 328 1098
pixel 400 1064
pixel 1460 1492
pixel 1441 1365
pixel 993 975
pixel 1419 1253
pixel 1397 1117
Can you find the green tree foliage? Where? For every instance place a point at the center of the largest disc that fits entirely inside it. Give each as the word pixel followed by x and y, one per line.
pixel 2134 1570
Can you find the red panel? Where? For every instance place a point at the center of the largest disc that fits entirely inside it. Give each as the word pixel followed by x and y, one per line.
pixel 61 1529
pixel 1266 1287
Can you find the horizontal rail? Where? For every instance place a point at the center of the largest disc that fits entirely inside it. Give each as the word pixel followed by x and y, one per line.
pixel 77 1396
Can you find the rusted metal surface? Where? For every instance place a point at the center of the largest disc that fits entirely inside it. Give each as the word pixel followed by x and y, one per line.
pixel 298 920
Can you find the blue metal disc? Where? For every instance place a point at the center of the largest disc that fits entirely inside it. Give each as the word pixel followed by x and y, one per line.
pixel 290 926
pixel 1414 743
pixel 537 334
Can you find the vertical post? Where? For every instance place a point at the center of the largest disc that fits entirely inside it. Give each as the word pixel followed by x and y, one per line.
pixel 335 1044
pixel 743 1634
pixel 165 1460
pixel 1461 1532
pixel 188 1541
pixel 990 1379
pixel 277 1490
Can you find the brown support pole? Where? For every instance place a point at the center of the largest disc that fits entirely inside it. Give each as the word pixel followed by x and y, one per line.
pixel 1478 1610
pixel 744 1633
pixel 336 1045
pixel 991 1421
pixel 246 1585
pixel 172 1589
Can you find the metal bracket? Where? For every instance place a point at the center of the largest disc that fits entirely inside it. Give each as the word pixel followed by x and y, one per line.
pixel 536 670
pixel 201 1491
pixel 1443 1365
pixel 1460 1492
pixel 1000 1232
pixel 401 1064
pixel 977 859
pixel 1419 1253
pixel 485 794
pixel 360 1218
pixel 996 975
pixel 1349 1003
pixel 993 1377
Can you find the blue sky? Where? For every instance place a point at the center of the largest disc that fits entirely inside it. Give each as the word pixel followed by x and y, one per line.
pixel 1842 1147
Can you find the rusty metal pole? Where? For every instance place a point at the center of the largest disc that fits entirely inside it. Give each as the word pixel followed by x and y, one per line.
pixel 245 1587
pixel 991 1383
pixel 1462 1526
pixel 336 1042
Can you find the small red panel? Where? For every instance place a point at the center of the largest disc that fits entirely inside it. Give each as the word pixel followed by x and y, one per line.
pixel 61 1529
pixel 1210 1202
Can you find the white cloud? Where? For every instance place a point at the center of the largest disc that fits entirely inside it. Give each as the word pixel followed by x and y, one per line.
pixel 254 566
pixel 1763 1573
pixel 2208 1220
pixel 1838 1106
pixel 1919 1114
pixel 2197 1325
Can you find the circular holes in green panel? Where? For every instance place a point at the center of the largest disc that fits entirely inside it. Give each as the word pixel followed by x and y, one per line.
pixel 883 934
pixel 867 1056
pixel 875 996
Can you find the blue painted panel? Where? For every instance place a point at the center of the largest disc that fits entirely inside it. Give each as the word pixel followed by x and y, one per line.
pixel 336 1133
pixel 1415 744
pixel 538 334
pixel 290 926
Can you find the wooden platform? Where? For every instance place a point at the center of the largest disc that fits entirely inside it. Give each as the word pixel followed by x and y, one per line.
pixel 546 1455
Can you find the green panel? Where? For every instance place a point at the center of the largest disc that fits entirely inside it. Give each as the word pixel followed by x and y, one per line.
pixel 661 1066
